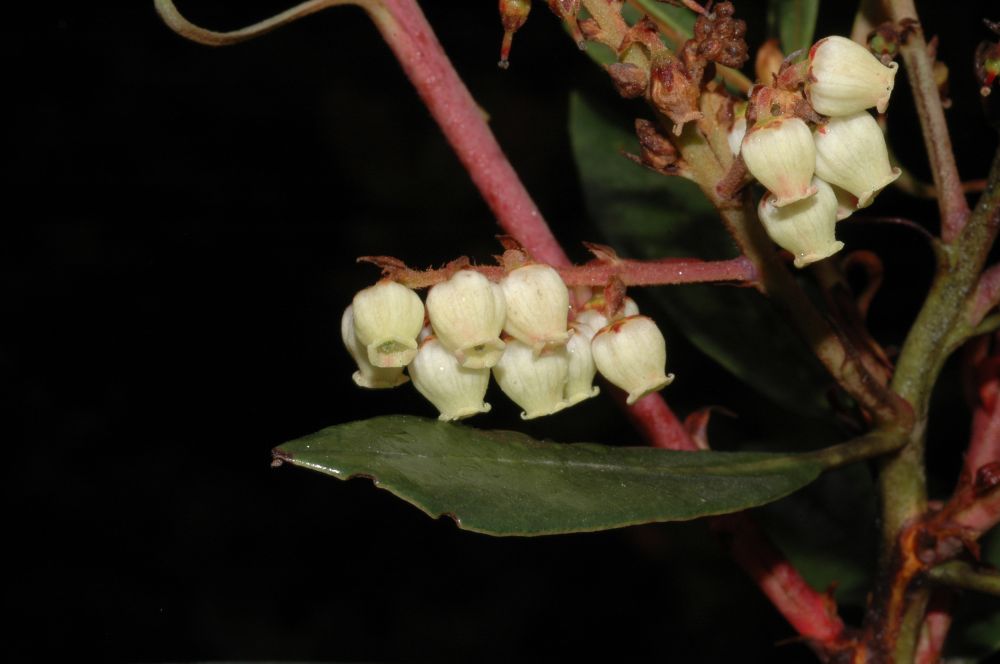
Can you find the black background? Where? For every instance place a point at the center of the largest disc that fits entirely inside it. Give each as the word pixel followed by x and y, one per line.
pixel 181 228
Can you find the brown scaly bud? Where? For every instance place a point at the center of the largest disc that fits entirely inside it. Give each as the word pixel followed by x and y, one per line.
pixel 657 151
pixel 721 38
pixel 768 102
pixel 629 80
pixel 987 70
pixel 883 41
pixel 987 62
pixel 513 14
pixel 673 93
pixel 646 34
pixel 567 11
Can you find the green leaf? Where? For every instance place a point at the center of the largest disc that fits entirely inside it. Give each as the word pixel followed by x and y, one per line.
pixel 646 215
pixel 793 22
pixel 507 483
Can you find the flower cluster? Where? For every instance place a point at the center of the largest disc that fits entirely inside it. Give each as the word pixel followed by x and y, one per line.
pixel 519 329
pixel 813 144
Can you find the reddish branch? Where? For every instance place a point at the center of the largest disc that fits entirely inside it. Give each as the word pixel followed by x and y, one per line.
pixel 630 272
pixel 415 45
pixel 812 614
pixel 412 40
pixel 920 71
pixel 935 629
pixel 984 443
pixel 987 295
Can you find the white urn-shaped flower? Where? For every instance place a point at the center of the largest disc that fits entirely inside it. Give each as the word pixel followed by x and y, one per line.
pixel 580 376
pixel 387 319
pixel 537 306
pixel 632 354
pixel 780 153
pixel 367 375
pixel 844 78
pixel 456 391
pixel 805 228
pixel 534 381
pixel 467 313
pixel 851 153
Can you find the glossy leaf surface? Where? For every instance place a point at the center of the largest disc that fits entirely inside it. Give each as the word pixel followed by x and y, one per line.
pixel 793 22
pixel 507 483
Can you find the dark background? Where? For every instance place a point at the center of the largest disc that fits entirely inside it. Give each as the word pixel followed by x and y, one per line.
pixel 181 230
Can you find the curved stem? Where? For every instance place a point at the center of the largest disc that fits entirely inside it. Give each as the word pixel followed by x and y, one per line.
pixel 406 31
pixel 176 21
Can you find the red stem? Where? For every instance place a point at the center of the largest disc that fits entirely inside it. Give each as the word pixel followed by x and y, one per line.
pixel 660 272
pixel 406 30
pixel 812 614
pixel 418 51
pixel 937 622
pixel 987 295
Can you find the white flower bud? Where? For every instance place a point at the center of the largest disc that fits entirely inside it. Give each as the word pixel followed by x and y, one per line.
pixel 580 380
pixel 387 319
pixel 632 354
pixel 739 129
pixel 457 392
pixel 844 78
pixel 367 375
pixel 467 313
pixel 781 155
pixel 533 381
pixel 805 228
pixel 851 153
pixel 589 321
pixel 537 306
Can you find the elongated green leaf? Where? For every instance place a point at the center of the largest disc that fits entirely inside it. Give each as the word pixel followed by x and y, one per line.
pixel 793 22
pixel 647 215
pixel 507 483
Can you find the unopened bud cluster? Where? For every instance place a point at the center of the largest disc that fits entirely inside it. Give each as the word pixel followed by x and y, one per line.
pixel 817 169
pixel 519 329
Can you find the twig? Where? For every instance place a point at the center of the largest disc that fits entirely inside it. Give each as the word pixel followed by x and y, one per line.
pixel 662 272
pixel 812 614
pixel 935 629
pixel 920 71
pixel 959 574
pixel 987 295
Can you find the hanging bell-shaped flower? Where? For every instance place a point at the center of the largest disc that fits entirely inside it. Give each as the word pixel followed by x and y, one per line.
pixel 457 392
pixel 533 381
pixel 467 313
pixel 537 306
pixel 367 374
pixel 805 228
pixel 632 354
pixel 844 78
pixel 781 155
pixel 580 379
pixel 387 319
pixel 851 153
